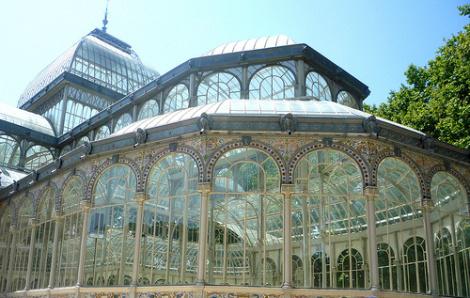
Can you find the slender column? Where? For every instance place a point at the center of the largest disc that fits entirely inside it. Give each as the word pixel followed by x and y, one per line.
pixel 371 193
pixel 32 243
pixel 204 189
pixel 11 260
pixel 85 205
pixel 306 244
pixel 300 78
pixel 140 198
pixel 456 257
pixel 287 190
pixel 59 222
pixel 398 263
pixel 431 261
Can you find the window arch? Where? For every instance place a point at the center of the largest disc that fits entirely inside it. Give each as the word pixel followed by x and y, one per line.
pixel 9 151
pixel 177 99
pixel 387 267
pixel 317 86
pixel 149 109
pixel 36 157
pixel 217 87
pixel 350 272
pixel 463 248
pixel 111 232
pixel 43 246
pixel 245 221
pixel 69 245
pixel 272 82
pixel 102 132
pixel 171 221
pixel 345 98
pixel 414 265
pixel 123 121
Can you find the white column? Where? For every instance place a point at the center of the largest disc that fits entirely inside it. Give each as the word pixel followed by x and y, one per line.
pixel 431 261
pixel 11 260
pixel 371 194
pixel 85 205
pixel 456 257
pixel 286 190
pixel 204 189
pixel 140 198
pixel 32 243
pixel 59 222
pixel 300 77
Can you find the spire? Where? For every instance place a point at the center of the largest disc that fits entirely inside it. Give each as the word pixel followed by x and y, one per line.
pixel 105 20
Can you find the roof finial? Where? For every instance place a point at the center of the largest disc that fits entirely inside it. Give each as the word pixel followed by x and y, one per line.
pixel 105 20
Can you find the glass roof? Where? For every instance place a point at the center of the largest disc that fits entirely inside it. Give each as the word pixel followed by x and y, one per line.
pixel 26 119
pixel 303 108
pixel 251 44
pixel 97 57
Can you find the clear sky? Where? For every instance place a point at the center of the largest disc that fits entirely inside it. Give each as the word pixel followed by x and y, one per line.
pixel 373 40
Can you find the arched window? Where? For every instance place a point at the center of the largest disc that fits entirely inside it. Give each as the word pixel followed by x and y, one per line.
pixel 317 87
pixel 43 246
pixel 69 245
pixel 36 157
pixel 345 98
pixel 217 87
pixel 123 121
pixel 111 232
pixel 171 221
pixel 272 82
pixel 387 267
pixel 321 269
pixel 297 270
pixel 5 243
pixel 463 248
pixel 82 141
pixel 23 238
pixel 414 265
pixel 76 113
pixel 328 201
pixel 445 263
pixel 446 189
pixel 177 99
pixel 149 109
pixel 9 151
pixel 245 219
pixel 350 271
pixel 102 132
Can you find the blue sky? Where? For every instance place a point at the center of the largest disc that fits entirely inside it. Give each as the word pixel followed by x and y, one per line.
pixel 375 41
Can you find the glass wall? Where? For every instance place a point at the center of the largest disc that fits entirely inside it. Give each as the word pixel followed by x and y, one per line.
pixel 245 220
pixel 272 82
pixel 328 215
pixel 5 244
pixel 171 222
pixel 463 249
pixel 177 99
pixel 9 151
pixel 148 109
pixel 111 233
pixel 317 86
pixel 347 99
pixel 102 132
pixel 123 121
pixel 36 157
pixel 217 87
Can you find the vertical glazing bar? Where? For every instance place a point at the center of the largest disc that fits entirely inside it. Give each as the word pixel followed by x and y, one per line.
pixel 431 262
pixel 184 242
pixel 32 244
pixel 398 261
pixel 371 194
pixel 11 260
pixel 85 205
pixel 204 189
pixel 59 222
pixel 140 198
pixel 456 256
pixel 286 190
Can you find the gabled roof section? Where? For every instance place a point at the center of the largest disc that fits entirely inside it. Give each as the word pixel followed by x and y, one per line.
pixel 251 44
pixel 99 58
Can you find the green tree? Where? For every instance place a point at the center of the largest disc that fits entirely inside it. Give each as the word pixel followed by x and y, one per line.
pixel 436 97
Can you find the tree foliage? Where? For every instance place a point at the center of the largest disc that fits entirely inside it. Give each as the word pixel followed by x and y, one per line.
pixel 436 97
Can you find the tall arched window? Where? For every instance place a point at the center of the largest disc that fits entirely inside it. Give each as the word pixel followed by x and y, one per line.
pixel 69 245
pixel 9 151
pixel 177 99
pixel 297 270
pixel 345 98
pixel 36 157
pixel 272 82
pixel 317 86
pixel 23 238
pixel 387 267
pixel 43 244
pixel 321 269
pixel 171 222
pixel 445 263
pixel 328 202
pixel 5 244
pixel 149 109
pixel 463 248
pixel 123 121
pixel 414 265
pixel 217 87
pixel 102 132
pixel 245 219
pixel 350 272
pixel 110 241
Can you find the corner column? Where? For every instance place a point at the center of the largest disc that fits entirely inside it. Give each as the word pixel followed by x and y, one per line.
pixel 85 206
pixel 287 190
pixel 371 194
pixel 59 223
pixel 431 260
pixel 204 188
pixel 300 78
pixel 11 260
pixel 140 198
pixel 33 222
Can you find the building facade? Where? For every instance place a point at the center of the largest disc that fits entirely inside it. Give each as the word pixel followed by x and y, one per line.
pixel 250 171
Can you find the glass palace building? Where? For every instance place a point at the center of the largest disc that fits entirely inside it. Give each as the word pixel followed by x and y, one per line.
pixel 250 171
